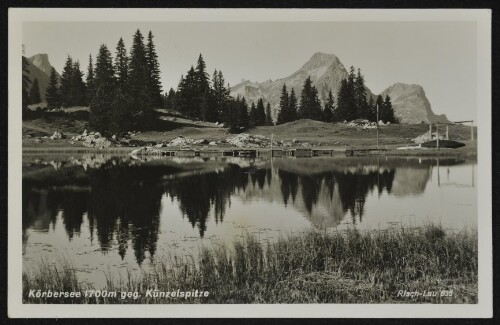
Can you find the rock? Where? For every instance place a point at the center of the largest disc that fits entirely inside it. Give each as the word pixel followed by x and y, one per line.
pixel 212 143
pixel 180 141
pixel 57 135
pixel 38 140
pixel 201 141
pixel 159 145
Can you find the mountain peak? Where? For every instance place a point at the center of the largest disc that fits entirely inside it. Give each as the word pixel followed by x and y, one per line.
pixel 41 61
pixel 320 59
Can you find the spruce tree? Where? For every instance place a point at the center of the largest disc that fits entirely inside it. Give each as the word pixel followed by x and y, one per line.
pixel 329 108
pixel 284 105
pixel 170 99
pixel 66 89
pixel 221 94
pixel 121 66
pixel 78 88
pixel 154 72
pixel 90 80
pixel 310 106
pixel 34 93
pixel 52 94
pixel 260 114
pixel 101 108
pixel 362 108
pixel 243 114
pixel 253 115
pixel 142 112
pixel 292 107
pixel 269 117
pixel 388 112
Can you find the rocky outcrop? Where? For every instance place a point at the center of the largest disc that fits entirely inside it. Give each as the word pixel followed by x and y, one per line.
pixel 411 105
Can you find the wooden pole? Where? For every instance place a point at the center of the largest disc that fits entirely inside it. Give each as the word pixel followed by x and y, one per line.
pixel 272 137
pixel 472 130
pixel 437 136
pixel 430 131
pixel 447 133
pixel 378 148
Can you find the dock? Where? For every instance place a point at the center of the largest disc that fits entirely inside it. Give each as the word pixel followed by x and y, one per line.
pixel 254 153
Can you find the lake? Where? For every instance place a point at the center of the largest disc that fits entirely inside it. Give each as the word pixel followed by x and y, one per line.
pixel 115 214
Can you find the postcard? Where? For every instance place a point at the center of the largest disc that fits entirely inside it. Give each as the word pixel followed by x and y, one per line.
pixel 249 163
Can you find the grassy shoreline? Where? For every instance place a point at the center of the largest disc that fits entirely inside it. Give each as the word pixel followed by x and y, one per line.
pixel 313 267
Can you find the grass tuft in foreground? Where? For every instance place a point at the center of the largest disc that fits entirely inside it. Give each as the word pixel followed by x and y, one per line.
pixel 313 267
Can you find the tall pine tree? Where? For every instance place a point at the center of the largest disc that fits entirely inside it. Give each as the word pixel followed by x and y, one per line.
pixel 105 92
pixel 78 88
pixel 142 112
pixel 260 113
pixel 66 89
pixel 121 66
pixel 52 94
pixel 283 115
pixel 310 106
pixel 34 93
pixel 154 72
pixel 329 108
pixel 90 80
pixel 269 116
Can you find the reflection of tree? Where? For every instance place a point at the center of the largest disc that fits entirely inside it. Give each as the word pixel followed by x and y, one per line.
pixel 354 188
pixel 125 200
pixel 289 184
pixel 198 193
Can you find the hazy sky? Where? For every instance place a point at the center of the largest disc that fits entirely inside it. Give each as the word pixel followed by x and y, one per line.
pixel 440 56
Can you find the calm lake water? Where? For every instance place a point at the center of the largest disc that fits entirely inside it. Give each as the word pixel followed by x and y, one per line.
pixel 113 214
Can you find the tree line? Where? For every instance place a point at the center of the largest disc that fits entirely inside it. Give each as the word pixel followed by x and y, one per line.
pixel 121 92
pixel 353 102
pixel 203 98
pixel 124 91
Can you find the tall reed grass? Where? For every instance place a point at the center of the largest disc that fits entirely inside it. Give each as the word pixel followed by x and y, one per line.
pixel 313 267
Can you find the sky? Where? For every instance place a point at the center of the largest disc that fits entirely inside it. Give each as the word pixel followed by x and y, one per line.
pixel 439 56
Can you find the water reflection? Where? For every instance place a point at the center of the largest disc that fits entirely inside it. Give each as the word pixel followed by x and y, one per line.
pixel 123 200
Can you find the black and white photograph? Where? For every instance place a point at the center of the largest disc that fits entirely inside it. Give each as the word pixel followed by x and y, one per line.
pixel 242 161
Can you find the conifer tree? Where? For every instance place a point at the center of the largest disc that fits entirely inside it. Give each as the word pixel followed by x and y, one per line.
pixel 105 91
pixel 253 115
pixel 121 66
pixel 154 72
pixel 66 89
pixel 329 108
pixel 220 92
pixel 269 117
pixel 170 99
pixel 142 113
pixel 292 107
pixel 373 109
pixel 260 114
pixel 34 93
pixel 243 114
pixel 90 80
pixel 78 88
pixel 284 105
pixel 388 111
pixel 310 106
pixel 362 108
pixel 52 95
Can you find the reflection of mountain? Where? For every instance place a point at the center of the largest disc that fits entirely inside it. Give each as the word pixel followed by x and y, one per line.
pixel 410 181
pixel 122 200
